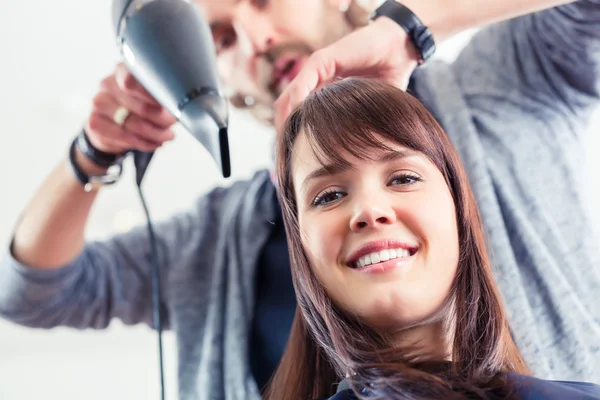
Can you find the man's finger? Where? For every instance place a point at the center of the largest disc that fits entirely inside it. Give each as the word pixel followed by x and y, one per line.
pixel 354 55
pixel 319 70
pixel 282 110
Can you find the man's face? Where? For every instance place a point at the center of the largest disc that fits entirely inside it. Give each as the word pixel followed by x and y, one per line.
pixel 262 44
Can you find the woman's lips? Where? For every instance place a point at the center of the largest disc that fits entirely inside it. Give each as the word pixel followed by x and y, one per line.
pixel 381 256
pixel 380 250
pixel 384 266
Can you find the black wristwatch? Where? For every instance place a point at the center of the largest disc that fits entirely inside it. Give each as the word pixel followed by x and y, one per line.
pixel 418 33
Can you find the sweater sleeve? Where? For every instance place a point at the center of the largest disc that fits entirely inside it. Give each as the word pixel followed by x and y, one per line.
pixel 545 62
pixel 109 279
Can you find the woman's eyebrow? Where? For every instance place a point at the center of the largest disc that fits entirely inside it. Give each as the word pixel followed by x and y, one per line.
pixel 341 167
pixel 325 170
pixel 396 155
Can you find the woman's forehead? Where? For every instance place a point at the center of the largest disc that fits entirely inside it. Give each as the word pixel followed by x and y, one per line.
pixel 311 154
pixel 308 163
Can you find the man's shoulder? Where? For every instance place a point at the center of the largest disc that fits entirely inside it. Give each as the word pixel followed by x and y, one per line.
pixel 257 179
pixel 242 200
pixel 436 86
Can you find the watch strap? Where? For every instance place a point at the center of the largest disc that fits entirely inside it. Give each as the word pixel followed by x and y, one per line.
pixel 98 157
pixel 91 182
pixel 418 33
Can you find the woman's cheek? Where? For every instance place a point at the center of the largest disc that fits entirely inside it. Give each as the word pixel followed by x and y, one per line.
pixel 323 238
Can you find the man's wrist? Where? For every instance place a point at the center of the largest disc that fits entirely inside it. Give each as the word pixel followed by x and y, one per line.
pixel 88 166
pixel 417 32
pixel 403 40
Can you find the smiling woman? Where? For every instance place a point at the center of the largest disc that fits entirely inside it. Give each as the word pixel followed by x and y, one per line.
pixel 394 285
pixel 378 219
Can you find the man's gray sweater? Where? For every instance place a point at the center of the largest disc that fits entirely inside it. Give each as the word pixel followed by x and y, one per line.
pixel 515 104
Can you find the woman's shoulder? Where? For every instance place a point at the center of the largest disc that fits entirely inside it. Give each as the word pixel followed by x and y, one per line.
pixel 346 394
pixel 529 388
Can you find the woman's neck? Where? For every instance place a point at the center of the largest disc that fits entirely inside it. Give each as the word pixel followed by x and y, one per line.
pixel 430 340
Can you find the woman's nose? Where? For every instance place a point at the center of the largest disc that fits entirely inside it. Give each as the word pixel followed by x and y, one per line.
pixel 372 212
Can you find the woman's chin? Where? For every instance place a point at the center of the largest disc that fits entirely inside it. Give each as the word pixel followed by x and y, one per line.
pixel 391 311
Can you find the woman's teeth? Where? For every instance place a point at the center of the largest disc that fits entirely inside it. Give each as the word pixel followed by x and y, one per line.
pixel 381 256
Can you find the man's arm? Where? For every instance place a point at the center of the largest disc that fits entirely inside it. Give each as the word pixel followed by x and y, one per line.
pixel 49 276
pixel 383 49
pixel 445 18
pixel 548 63
pixel 109 279
pixel 50 232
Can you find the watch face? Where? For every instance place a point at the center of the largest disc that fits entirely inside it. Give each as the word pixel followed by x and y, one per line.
pixel 96 182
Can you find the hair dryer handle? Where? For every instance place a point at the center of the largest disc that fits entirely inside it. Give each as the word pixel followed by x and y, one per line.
pixel 141 161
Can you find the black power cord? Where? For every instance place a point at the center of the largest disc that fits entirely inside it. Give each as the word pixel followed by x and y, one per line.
pixel 141 161
pixel 156 287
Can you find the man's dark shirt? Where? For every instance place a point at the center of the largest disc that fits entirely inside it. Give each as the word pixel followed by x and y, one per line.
pixel 275 304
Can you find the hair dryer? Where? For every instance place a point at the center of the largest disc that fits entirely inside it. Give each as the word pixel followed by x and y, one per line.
pixel 168 47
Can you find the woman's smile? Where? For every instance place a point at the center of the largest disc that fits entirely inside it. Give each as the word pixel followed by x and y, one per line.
pixel 382 256
pixel 380 231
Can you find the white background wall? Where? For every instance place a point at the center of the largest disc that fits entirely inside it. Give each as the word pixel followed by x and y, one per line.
pixel 53 55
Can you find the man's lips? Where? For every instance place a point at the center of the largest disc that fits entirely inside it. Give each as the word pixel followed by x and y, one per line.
pixel 284 71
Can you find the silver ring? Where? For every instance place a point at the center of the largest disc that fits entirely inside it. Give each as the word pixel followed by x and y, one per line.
pixel 120 115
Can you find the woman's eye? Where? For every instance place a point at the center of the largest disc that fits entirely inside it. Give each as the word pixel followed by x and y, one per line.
pixel 405 179
pixel 327 197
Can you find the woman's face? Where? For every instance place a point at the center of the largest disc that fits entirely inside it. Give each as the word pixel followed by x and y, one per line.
pixel 381 235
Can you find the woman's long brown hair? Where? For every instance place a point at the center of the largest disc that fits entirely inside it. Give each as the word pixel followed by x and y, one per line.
pixel 347 117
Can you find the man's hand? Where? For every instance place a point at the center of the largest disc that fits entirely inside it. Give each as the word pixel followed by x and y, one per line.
pixel 381 50
pixel 146 127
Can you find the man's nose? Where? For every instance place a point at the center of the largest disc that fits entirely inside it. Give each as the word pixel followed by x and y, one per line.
pixel 254 31
pixel 372 211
